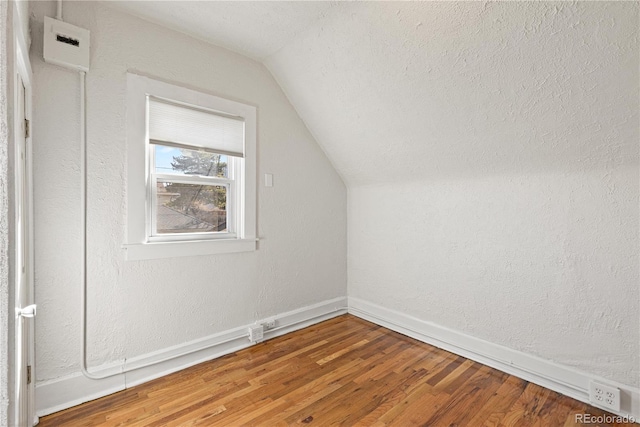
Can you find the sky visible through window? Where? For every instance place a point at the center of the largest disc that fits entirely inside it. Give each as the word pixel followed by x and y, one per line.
pixel 164 157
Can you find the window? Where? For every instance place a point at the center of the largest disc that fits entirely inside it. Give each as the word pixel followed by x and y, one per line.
pixel 191 172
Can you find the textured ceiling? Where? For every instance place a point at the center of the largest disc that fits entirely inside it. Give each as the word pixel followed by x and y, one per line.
pixel 253 28
pixel 397 91
pixel 400 91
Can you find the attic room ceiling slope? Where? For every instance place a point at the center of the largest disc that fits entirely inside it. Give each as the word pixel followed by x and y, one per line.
pixel 408 91
pixel 253 28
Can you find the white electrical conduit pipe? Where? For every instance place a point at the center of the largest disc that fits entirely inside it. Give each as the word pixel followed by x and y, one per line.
pixel 83 264
pixel 59 11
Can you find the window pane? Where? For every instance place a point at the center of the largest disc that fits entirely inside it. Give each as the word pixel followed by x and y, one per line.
pixel 182 161
pixel 190 208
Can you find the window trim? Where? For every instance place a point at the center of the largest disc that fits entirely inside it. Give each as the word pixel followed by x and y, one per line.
pixel 138 245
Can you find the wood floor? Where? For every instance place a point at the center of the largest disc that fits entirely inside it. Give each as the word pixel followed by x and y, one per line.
pixel 344 371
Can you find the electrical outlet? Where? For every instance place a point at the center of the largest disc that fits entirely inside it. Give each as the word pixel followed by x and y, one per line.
pixel 256 333
pixel 269 324
pixel 604 396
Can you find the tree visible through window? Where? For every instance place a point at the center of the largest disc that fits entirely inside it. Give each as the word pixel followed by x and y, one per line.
pixel 205 202
pixel 184 206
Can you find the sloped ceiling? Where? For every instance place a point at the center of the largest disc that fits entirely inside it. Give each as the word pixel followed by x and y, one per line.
pixel 397 91
pixel 253 28
pixel 442 90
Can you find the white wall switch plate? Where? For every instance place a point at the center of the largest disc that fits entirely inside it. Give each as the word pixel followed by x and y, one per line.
pixel 268 180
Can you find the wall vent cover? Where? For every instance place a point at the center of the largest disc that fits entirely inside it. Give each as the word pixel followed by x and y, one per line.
pixel 66 45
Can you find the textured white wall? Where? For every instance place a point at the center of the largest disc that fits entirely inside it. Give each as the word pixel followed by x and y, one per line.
pixel 143 306
pixel 491 155
pixel 545 264
pixel 4 218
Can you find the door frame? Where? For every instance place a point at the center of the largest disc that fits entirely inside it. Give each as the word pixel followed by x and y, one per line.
pixel 22 74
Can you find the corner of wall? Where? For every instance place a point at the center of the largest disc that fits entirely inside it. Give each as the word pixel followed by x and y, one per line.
pixel 330 160
pixel 559 378
pixel 6 63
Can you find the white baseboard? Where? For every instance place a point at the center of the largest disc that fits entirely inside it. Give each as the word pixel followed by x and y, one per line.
pixel 71 390
pixel 562 379
pixel 68 391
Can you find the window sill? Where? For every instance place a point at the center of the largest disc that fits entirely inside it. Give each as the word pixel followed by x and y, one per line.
pixel 157 250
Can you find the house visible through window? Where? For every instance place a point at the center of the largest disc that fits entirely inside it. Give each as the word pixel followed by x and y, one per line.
pixel 184 207
pixel 197 154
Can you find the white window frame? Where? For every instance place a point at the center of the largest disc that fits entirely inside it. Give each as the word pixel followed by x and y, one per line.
pixel 140 243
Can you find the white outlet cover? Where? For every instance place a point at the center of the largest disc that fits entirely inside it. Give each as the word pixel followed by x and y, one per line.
pixel 604 396
pixel 269 323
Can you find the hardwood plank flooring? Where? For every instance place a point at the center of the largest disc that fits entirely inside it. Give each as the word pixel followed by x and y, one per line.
pixel 344 371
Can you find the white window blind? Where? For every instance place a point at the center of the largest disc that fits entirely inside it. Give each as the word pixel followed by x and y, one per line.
pixel 186 126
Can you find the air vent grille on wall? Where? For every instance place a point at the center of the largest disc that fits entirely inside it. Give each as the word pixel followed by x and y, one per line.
pixel 66 45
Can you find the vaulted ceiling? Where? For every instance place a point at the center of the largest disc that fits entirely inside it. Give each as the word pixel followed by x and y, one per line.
pixel 397 91
pixel 256 29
